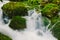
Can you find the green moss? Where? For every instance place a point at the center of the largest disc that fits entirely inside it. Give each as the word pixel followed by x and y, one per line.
pixel 18 0
pixel 4 37
pixel 56 2
pixel 14 9
pixel 50 10
pixel 18 22
pixel 1 0
pixel 33 4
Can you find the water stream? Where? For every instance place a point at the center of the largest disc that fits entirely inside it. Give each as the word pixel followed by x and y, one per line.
pixel 35 28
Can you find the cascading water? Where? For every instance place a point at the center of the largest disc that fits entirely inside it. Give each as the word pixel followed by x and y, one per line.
pixel 35 29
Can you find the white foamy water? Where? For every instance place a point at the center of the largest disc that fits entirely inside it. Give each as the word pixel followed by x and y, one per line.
pixel 35 28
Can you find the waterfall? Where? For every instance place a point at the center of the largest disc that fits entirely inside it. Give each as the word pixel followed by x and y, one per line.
pixel 35 28
pixel 34 21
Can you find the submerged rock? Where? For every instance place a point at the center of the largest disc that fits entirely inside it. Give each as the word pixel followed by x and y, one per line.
pixel 4 37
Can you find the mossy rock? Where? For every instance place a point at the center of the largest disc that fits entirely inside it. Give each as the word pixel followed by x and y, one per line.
pixel 18 23
pixel 4 37
pixel 56 31
pixel 50 10
pixel 12 9
pixel 56 2
pixel 1 0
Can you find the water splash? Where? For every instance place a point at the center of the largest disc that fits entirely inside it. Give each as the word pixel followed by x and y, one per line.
pixel 35 28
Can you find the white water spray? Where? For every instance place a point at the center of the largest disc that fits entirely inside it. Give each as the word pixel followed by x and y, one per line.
pixel 35 28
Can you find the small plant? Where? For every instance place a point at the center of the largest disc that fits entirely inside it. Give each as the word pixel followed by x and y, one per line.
pixel 50 10
pixel 56 31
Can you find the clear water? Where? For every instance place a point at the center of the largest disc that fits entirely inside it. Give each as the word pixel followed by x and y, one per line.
pixel 35 28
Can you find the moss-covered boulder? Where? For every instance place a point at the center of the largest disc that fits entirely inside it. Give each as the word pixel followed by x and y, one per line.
pixel 1 0
pixel 50 10
pixel 18 22
pixel 56 31
pixel 56 2
pixel 14 9
pixel 4 37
